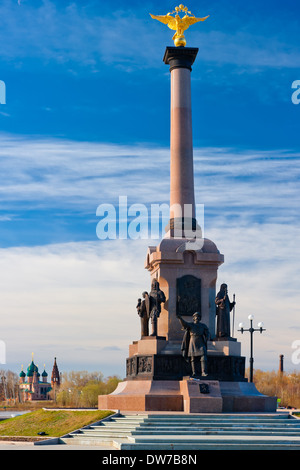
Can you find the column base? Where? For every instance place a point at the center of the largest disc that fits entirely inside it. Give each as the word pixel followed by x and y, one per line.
pixel 187 396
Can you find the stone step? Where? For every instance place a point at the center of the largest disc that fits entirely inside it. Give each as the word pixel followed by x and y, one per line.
pixel 113 442
pixel 212 438
pixel 211 417
pixel 120 423
pixel 206 430
pixel 281 424
pixel 289 422
pixel 186 422
pixel 100 436
pixel 220 430
pixel 188 446
pixel 209 431
pixel 114 425
pixel 190 417
pixel 130 418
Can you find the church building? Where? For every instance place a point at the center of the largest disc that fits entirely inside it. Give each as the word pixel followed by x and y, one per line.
pixel 35 386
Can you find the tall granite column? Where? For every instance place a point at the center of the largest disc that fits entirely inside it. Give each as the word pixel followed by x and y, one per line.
pixel 180 60
pixel 176 260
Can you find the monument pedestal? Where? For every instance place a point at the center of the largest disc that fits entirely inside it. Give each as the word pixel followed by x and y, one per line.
pixel 187 396
pixel 158 379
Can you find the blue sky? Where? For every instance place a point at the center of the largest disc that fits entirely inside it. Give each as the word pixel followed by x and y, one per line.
pixel 86 120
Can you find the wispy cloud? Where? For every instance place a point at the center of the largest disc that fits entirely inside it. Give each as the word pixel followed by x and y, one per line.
pixel 124 36
pixel 72 175
pixel 58 172
pixel 52 32
pixel 262 268
pixel 263 182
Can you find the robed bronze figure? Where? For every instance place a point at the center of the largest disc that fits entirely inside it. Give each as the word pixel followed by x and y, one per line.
pixel 143 312
pixel 224 307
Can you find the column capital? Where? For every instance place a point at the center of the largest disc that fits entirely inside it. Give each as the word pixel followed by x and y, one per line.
pixel 180 57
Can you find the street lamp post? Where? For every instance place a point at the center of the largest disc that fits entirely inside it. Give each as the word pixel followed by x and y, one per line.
pixel 251 331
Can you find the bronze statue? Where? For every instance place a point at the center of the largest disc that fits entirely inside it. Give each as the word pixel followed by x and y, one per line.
pixel 150 308
pixel 157 297
pixel 194 344
pixel 224 307
pixel 143 312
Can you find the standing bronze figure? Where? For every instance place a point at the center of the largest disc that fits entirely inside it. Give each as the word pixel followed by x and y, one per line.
pixel 150 308
pixel 157 297
pixel 143 312
pixel 224 307
pixel 194 345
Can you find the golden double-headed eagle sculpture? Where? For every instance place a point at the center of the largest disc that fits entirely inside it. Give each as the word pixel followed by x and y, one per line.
pixel 178 24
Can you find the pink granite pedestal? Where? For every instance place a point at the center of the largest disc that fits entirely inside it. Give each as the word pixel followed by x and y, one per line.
pixel 151 395
pixel 186 396
pixel 144 395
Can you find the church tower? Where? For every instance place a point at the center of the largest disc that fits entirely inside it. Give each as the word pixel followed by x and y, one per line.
pixel 55 376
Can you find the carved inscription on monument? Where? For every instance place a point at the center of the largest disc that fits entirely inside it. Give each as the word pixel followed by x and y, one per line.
pixel 188 295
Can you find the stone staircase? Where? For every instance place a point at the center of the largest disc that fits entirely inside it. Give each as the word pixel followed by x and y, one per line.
pixel 253 431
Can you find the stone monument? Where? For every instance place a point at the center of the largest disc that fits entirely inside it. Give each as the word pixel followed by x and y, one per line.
pixel 184 364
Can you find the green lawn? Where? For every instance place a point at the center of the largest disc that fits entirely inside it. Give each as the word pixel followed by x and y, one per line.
pixel 54 423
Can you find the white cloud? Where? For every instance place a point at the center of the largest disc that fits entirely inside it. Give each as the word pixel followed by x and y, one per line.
pixel 264 182
pixel 262 266
pixel 124 37
pixel 71 34
pixel 81 175
pixel 77 301
pixel 73 301
pixel 78 176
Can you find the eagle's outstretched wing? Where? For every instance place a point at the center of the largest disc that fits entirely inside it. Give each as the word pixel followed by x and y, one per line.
pixel 189 20
pixel 166 19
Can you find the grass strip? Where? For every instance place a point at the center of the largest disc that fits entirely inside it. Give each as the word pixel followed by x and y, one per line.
pixel 54 423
